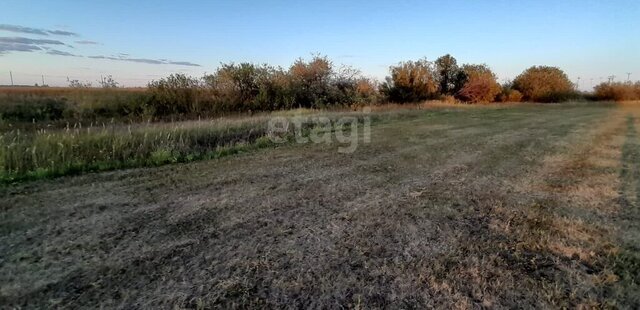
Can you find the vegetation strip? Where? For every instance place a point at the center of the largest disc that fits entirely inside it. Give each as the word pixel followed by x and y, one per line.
pixel 43 154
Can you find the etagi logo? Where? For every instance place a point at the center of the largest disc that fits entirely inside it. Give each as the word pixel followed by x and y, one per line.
pixel 321 129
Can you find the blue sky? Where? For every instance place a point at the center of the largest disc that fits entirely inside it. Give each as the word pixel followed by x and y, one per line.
pixel 139 40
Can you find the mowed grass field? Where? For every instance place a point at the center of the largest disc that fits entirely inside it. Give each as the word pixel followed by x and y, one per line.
pixel 528 206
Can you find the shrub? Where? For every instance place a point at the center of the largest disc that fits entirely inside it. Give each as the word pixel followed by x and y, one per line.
pixel 175 94
pixel 78 84
pixel 274 90
pixel 544 84
pixel 480 85
pixel 108 82
pixel 366 91
pixel 617 91
pixel 311 81
pixel 411 81
pixel 94 104
pixel 448 99
pixel 510 95
pixel 309 84
pixel 450 77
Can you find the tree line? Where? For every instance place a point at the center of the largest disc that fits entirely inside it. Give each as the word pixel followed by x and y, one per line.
pixel 318 83
pixel 307 83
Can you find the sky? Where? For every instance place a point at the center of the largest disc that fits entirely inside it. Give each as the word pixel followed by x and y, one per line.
pixel 138 41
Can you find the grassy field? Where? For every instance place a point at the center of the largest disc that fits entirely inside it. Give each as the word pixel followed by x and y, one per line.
pixel 528 206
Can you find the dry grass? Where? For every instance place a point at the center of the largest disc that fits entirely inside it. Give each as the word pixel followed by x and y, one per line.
pixel 506 207
pixel 98 147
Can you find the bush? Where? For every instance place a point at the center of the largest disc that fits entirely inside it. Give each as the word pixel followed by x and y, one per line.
pixel 510 95
pixel 233 86
pixel 175 94
pixel 411 81
pixel 366 92
pixel 617 91
pixel 544 84
pixel 448 99
pixel 451 78
pixel 94 104
pixel 309 84
pixel 480 85
pixel 274 91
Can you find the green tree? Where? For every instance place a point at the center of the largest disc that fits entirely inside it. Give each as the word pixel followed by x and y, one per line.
pixel 450 77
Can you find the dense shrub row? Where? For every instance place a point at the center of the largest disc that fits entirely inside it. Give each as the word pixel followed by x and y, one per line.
pixel 617 91
pixel 422 79
pixel 249 87
pixel 312 83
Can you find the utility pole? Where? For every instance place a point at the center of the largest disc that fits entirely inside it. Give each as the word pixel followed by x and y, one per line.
pixel 628 76
pixel 11 75
pixel 43 80
pixel 578 84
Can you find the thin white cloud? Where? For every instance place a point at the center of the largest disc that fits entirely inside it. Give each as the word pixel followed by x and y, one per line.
pixel 61 53
pixel 124 57
pixel 23 44
pixel 29 41
pixel 37 31
pixel 17 47
pixel 87 42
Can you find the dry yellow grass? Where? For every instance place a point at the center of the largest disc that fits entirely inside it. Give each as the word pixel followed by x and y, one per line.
pixel 448 208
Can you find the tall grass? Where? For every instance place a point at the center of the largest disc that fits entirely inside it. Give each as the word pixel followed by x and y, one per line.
pixel 55 152
pixel 22 106
pixel 45 153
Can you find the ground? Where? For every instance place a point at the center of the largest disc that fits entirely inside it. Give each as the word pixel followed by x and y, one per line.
pixel 531 206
